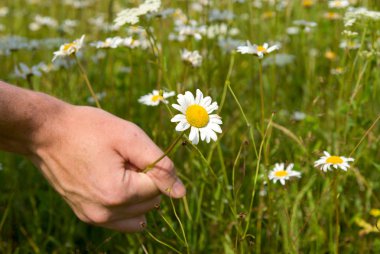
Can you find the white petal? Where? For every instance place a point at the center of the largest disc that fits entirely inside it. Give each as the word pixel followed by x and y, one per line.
pixel 214 127
pixel 178 118
pixel 199 97
pixel 194 135
pixel 212 107
pixel 189 98
pixel 206 101
pixel 181 126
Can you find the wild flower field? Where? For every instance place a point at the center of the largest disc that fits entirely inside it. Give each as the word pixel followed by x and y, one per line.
pixel 274 129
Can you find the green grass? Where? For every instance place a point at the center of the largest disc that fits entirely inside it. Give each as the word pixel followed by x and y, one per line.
pixel 231 206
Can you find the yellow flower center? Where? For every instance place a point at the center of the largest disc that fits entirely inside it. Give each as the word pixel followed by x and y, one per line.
pixel 281 173
pixel 261 49
pixel 157 97
pixel 67 46
pixel 197 116
pixel 334 160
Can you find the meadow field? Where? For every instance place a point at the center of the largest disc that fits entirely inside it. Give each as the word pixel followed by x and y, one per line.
pixel 291 161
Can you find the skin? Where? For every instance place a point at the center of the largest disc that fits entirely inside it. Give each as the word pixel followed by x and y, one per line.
pixel 93 159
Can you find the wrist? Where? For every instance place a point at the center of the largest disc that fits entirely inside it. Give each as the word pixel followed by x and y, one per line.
pixel 49 114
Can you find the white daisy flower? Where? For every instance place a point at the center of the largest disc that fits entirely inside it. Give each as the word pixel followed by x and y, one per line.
pixel 279 173
pixel 131 16
pixel 69 48
pixel 154 98
pixel 196 115
pixel 328 160
pixel 339 4
pixel 112 42
pixel 259 50
pixel 191 57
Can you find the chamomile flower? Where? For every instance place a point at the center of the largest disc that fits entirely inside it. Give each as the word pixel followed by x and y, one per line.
pixel 196 115
pixel 279 173
pixel 339 4
pixel 112 42
pixel 259 50
pixel 69 48
pixel 191 57
pixel 154 98
pixel 325 162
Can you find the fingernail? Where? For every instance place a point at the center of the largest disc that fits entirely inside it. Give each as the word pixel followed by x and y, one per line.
pixel 178 189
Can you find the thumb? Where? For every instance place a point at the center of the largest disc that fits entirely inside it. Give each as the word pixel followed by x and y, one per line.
pixel 137 148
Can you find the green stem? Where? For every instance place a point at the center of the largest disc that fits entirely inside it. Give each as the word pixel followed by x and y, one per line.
pixel 85 77
pixel 255 179
pixel 227 82
pixel 261 95
pixel 245 118
pixel 163 243
pixel 168 150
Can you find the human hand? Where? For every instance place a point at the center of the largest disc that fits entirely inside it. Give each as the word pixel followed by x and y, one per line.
pixel 93 159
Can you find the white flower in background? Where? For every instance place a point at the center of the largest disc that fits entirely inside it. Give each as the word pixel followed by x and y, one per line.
pixel 69 48
pixel 355 14
pixel 191 57
pixel 100 96
pixel 191 30
pixel 325 162
pixel 298 116
pixel 259 50
pixel 279 60
pixel 4 11
pixel 196 115
pixel 218 15
pixel 292 30
pixel 339 4
pixel 131 16
pixel 23 71
pixel 349 44
pixel 42 21
pixel 306 26
pixel 228 44
pixel 279 173
pixel 155 97
pixel 78 4
pixel 68 25
pixel 113 42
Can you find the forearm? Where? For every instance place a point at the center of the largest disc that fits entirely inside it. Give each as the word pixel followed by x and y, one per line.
pixel 23 113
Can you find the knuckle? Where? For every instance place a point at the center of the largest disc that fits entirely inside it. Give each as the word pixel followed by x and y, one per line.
pixel 111 196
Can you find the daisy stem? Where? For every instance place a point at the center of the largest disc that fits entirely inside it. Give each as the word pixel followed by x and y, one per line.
pixel 83 72
pixel 255 179
pixel 168 150
pixel 245 118
pixel 227 82
pixel 163 243
pixel 365 135
pixel 261 95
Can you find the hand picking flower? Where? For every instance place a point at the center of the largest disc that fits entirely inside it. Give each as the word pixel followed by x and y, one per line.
pixel 154 98
pixel 325 162
pixel 279 173
pixel 196 115
pixel 69 48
